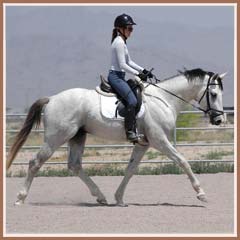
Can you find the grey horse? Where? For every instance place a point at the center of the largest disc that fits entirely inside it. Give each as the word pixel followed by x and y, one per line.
pixel 71 114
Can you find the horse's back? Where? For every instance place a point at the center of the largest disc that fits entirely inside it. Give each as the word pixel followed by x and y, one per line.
pixel 69 106
pixel 73 93
pixel 72 96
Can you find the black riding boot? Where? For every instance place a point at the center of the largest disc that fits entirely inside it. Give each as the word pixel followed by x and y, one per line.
pixel 130 126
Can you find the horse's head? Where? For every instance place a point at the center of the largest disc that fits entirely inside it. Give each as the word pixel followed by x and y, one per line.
pixel 211 98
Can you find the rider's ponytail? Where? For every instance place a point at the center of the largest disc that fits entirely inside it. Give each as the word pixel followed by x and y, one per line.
pixel 114 34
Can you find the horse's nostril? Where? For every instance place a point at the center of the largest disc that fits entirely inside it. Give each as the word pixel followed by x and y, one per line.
pixel 218 122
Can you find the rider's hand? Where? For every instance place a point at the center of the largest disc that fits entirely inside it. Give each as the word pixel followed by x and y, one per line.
pixel 148 73
pixel 142 76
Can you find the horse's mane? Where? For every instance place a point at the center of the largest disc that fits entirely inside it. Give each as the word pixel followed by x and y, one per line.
pixel 189 74
pixel 194 73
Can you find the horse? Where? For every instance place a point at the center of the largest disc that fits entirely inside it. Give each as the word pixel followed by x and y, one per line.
pixel 69 115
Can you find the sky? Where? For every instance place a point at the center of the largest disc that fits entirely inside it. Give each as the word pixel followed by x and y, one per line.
pixel 53 48
pixel 206 15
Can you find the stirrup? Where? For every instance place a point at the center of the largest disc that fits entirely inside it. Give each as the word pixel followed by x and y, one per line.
pixel 131 136
pixel 138 138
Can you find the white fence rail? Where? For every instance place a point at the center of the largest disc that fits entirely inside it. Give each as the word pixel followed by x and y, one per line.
pixel 114 146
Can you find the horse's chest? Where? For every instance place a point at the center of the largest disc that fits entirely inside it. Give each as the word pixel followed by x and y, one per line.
pixel 159 118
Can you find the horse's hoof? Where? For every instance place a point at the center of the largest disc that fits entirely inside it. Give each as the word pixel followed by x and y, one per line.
pixel 122 205
pixel 19 202
pixel 102 201
pixel 202 197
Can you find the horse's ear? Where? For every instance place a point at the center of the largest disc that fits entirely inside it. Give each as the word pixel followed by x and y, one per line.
pixel 222 75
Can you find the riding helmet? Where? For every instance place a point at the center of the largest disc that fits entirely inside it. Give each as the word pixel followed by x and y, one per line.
pixel 123 20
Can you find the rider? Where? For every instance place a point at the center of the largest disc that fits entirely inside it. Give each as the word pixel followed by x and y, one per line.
pixel 121 63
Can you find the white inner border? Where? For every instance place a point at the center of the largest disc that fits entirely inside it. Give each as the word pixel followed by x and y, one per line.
pixel 235 119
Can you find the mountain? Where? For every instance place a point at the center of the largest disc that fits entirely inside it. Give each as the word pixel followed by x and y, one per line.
pixel 50 49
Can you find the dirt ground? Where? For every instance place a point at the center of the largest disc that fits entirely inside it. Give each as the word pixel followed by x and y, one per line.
pixel 164 204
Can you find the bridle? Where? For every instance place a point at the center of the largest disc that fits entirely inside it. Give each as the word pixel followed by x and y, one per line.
pixel 206 92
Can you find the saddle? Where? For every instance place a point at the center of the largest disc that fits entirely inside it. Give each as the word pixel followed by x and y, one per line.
pixel 106 90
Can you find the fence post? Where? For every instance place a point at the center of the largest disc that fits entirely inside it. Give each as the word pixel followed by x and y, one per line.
pixel 175 136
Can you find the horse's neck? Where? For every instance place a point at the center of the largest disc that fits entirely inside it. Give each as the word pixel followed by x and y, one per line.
pixel 182 88
pixel 179 86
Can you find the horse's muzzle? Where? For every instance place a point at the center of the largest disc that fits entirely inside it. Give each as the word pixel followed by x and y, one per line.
pixel 216 119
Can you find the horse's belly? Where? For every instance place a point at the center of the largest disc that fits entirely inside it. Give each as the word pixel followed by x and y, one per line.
pixel 105 128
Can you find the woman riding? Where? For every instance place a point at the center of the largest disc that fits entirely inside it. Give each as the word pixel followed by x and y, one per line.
pixel 122 63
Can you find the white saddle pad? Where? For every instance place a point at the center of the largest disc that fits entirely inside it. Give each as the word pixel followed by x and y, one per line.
pixel 108 108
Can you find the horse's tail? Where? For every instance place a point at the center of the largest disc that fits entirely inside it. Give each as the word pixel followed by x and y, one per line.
pixel 33 117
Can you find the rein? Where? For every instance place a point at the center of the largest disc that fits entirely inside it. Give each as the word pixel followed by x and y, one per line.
pixel 206 92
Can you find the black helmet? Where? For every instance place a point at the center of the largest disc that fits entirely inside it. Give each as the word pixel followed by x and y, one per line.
pixel 123 20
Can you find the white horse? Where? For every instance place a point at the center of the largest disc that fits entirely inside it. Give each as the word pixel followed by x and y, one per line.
pixel 71 114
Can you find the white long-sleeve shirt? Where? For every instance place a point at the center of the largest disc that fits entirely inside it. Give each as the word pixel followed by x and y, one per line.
pixel 120 58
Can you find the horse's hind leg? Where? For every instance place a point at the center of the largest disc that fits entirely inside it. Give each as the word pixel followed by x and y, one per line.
pixel 34 165
pixel 76 148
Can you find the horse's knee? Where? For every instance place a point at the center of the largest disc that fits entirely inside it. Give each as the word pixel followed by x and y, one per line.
pixel 45 152
pixel 184 164
pixel 132 169
pixel 34 165
pixel 42 156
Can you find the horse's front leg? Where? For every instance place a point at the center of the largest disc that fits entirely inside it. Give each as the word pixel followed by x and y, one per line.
pixel 135 159
pixel 166 147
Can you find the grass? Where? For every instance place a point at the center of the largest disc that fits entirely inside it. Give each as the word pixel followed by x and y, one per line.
pixel 217 154
pixel 196 120
pixel 212 168
pixel 186 120
pixel 205 136
pixel 152 155
pixel 119 170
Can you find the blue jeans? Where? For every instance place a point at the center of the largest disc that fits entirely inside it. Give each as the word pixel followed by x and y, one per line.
pixel 117 82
